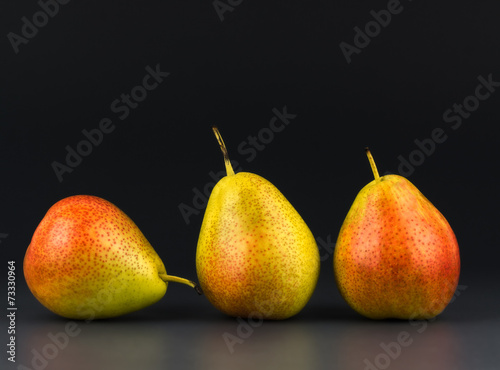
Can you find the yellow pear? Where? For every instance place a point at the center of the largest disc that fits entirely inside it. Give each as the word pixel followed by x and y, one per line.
pixel 255 257
pixel 88 260
pixel 396 255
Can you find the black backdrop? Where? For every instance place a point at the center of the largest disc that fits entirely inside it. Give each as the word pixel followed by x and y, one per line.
pixel 238 69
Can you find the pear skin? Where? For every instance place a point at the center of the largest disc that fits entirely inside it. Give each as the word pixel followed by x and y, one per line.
pixel 396 255
pixel 88 260
pixel 255 257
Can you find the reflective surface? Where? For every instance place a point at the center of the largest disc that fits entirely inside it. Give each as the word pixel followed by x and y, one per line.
pixel 326 335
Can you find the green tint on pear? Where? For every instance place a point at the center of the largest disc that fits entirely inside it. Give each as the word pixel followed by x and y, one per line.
pixel 88 260
pixel 256 257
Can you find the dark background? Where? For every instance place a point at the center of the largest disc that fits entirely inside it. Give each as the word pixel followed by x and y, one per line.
pixel 233 73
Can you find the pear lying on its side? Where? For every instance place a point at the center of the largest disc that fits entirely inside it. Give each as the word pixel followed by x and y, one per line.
pixel 256 257
pixel 88 260
pixel 396 255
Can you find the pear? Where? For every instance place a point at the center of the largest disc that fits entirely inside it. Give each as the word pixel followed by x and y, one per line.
pixel 256 257
pixel 88 260
pixel 396 255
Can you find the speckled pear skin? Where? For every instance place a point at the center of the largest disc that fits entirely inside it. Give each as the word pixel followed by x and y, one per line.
pixel 396 255
pixel 256 257
pixel 88 260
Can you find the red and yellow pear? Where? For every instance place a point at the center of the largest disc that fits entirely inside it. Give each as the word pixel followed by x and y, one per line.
pixel 88 260
pixel 396 255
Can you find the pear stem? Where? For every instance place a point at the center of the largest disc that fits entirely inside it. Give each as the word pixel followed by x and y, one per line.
pixel 227 162
pixel 169 278
pixel 372 164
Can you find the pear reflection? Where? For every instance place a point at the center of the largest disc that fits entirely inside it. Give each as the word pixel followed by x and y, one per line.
pixel 270 344
pixel 95 345
pixel 376 345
